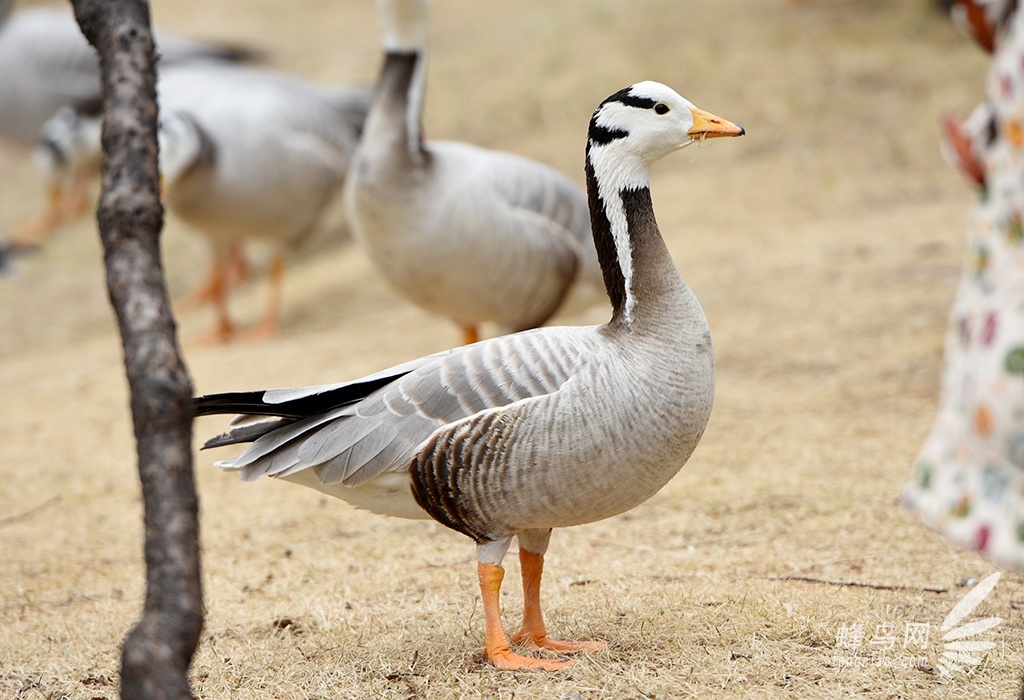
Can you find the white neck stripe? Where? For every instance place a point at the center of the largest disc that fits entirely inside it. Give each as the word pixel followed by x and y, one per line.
pixel 414 107
pixel 616 171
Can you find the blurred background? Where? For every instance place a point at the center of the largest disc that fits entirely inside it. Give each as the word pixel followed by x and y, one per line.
pixel 840 100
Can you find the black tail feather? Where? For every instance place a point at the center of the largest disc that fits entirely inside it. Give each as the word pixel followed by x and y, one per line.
pixel 235 53
pixel 243 402
pixel 252 403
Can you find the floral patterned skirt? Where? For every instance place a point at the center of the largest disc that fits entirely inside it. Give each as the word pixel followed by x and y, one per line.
pixel 968 479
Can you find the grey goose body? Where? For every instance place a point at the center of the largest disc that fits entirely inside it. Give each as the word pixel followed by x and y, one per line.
pixel 252 154
pixel 520 434
pixel 476 235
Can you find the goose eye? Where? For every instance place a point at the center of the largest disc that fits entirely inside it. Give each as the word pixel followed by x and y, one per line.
pixel 661 108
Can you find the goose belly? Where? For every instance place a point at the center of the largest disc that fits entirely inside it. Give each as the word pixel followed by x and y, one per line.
pixel 244 200
pixel 385 494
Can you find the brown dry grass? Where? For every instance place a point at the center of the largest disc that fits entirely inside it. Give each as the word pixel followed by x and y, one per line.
pixel 825 247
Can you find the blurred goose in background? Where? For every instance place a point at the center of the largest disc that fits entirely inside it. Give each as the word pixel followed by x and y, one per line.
pixel 519 434
pixel 253 154
pixel 45 65
pixel 476 235
pixel 245 153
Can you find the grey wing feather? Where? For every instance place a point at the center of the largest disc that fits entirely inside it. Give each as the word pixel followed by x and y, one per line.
pixel 273 441
pixel 383 432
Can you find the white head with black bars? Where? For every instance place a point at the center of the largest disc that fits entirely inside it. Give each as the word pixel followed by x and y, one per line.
pixel 629 131
pixel 641 124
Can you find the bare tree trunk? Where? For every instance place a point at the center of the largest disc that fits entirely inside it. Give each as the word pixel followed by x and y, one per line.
pixel 158 651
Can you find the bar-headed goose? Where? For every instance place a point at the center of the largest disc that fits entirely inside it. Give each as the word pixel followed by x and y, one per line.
pixel 519 434
pixel 253 154
pixel 473 234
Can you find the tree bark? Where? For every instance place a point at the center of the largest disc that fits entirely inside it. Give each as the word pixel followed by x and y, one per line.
pixel 158 651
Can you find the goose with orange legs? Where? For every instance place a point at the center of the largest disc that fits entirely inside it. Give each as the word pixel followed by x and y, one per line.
pixel 513 436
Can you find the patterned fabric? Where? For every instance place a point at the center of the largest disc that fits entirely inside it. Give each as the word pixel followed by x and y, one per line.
pixel 969 476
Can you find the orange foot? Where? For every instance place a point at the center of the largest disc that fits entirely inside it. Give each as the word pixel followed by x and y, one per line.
pixel 534 641
pixel 533 633
pixel 507 661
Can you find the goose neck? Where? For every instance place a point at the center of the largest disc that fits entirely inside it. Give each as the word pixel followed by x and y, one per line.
pixel 394 121
pixel 638 270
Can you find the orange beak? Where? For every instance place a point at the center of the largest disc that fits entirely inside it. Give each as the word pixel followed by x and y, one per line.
pixel 708 126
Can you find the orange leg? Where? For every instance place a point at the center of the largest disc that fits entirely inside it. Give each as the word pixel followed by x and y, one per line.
pixel 65 203
pixel 237 270
pixel 31 233
pixel 76 200
pixel 225 329
pixel 533 634
pixel 268 325
pixel 470 335
pixel 496 649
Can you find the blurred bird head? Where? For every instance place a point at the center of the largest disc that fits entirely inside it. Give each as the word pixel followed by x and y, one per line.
pixel 69 141
pixel 404 24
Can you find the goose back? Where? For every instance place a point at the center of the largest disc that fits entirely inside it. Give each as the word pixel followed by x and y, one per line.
pixel 278 150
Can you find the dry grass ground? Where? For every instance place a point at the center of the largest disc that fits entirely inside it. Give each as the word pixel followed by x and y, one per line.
pixel 825 246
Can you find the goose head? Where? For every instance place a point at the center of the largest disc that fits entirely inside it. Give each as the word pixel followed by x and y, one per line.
pixel 643 123
pixel 629 131
pixel 183 145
